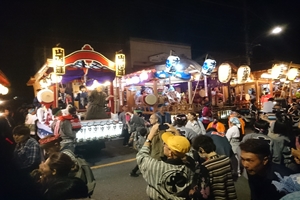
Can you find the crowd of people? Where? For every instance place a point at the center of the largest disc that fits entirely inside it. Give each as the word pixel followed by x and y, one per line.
pixel 38 166
pixel 183 157
pixel 171 152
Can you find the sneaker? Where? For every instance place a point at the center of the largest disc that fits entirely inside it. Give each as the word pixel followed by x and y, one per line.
pixel 133 174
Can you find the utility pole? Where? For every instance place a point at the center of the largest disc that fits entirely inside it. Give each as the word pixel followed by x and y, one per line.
pixel 246 30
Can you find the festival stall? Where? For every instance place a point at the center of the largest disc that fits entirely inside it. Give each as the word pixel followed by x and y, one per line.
pixel 84 67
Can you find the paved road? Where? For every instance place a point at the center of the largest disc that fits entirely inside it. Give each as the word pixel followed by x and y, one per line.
pixel 111 167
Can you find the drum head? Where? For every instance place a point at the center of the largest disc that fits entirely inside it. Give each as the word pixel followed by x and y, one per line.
pixel 45 95
pixel 202 93
pixel 150 99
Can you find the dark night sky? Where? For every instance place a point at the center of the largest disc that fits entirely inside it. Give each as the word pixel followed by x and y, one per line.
pixel 209 26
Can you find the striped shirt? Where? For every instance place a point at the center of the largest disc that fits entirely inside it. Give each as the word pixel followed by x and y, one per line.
pixel 165 181
pixel 221 178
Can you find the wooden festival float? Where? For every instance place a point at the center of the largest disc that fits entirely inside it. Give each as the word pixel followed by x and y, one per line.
pixel 83 67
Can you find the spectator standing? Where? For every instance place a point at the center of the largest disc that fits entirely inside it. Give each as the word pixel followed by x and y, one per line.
pixel 7 124
pixel 30 120
pixel 206 114
pixel 27 153
pixel 195 124
pixel 164 117
pixel 180 122
pixel 125 118
pixel 256 159
pixel 221 179
pixel 217 125
pixel 160 175
pixel 141 135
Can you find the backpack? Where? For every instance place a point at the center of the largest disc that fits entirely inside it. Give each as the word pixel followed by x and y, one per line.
pixel 83 172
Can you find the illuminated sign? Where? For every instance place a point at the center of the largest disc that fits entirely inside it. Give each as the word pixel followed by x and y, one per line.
pixel 58 56
pixel 120 65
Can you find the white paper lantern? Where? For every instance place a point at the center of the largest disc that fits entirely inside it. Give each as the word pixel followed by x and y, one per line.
pixel 243 74
pixel 224 72
pixel 292 73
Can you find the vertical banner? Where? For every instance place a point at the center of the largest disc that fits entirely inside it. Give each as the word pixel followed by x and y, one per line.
pixel 120 65
pixel 58 56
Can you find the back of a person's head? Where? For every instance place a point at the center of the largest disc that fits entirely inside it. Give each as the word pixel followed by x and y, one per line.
pixel 49 141
pixel 72 110
pixel 205 142
pixel 256 146
pixel 211 129
pixel 143 131
pixel 193 114
pixel 261 126
pixel 67 188
pixel 56 111
pixel 61 163
pixel 283 124
pixel 181 120
pixel 21 130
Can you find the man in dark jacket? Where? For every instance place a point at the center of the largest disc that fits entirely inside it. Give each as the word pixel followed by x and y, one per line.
pixel 164 117
pixel 256 159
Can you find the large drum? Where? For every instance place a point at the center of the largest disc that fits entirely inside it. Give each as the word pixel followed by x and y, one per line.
pixel 150 99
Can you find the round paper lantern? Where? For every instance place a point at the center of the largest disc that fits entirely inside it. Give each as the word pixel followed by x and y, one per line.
pixel 292 73
pixel 208 66
pixel 224 72
pixel 243 74
pixel 276 71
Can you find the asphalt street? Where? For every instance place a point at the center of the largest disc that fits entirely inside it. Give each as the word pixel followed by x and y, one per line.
pixel 111 167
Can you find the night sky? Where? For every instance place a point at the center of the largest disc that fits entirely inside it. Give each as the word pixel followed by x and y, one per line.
pixel 209 26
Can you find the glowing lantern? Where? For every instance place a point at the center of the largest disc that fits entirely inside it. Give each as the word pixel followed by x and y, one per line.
pixel 292 73
pixel 58 55
pixel 143 76
pixel 3 90
pixel 277 70
pixel 120 65
pixel 224 72
pixel 55 78
pixel 208 66
pixel 243 74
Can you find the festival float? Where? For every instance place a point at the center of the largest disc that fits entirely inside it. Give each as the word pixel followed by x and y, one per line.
pixel 174 84
pixel 87 68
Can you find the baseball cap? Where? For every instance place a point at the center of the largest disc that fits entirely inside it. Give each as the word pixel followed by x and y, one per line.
pixel 176 143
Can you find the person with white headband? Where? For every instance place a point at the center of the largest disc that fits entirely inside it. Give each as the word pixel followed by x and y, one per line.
pixel 233 136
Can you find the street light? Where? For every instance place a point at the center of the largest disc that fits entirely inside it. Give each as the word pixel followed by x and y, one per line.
pixel 276 30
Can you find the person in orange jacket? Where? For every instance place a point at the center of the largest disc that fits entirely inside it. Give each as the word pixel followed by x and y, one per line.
pixel 217 125
pixel 242 122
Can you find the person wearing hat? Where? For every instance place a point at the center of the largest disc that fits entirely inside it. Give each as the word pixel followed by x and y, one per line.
pixel 163 177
